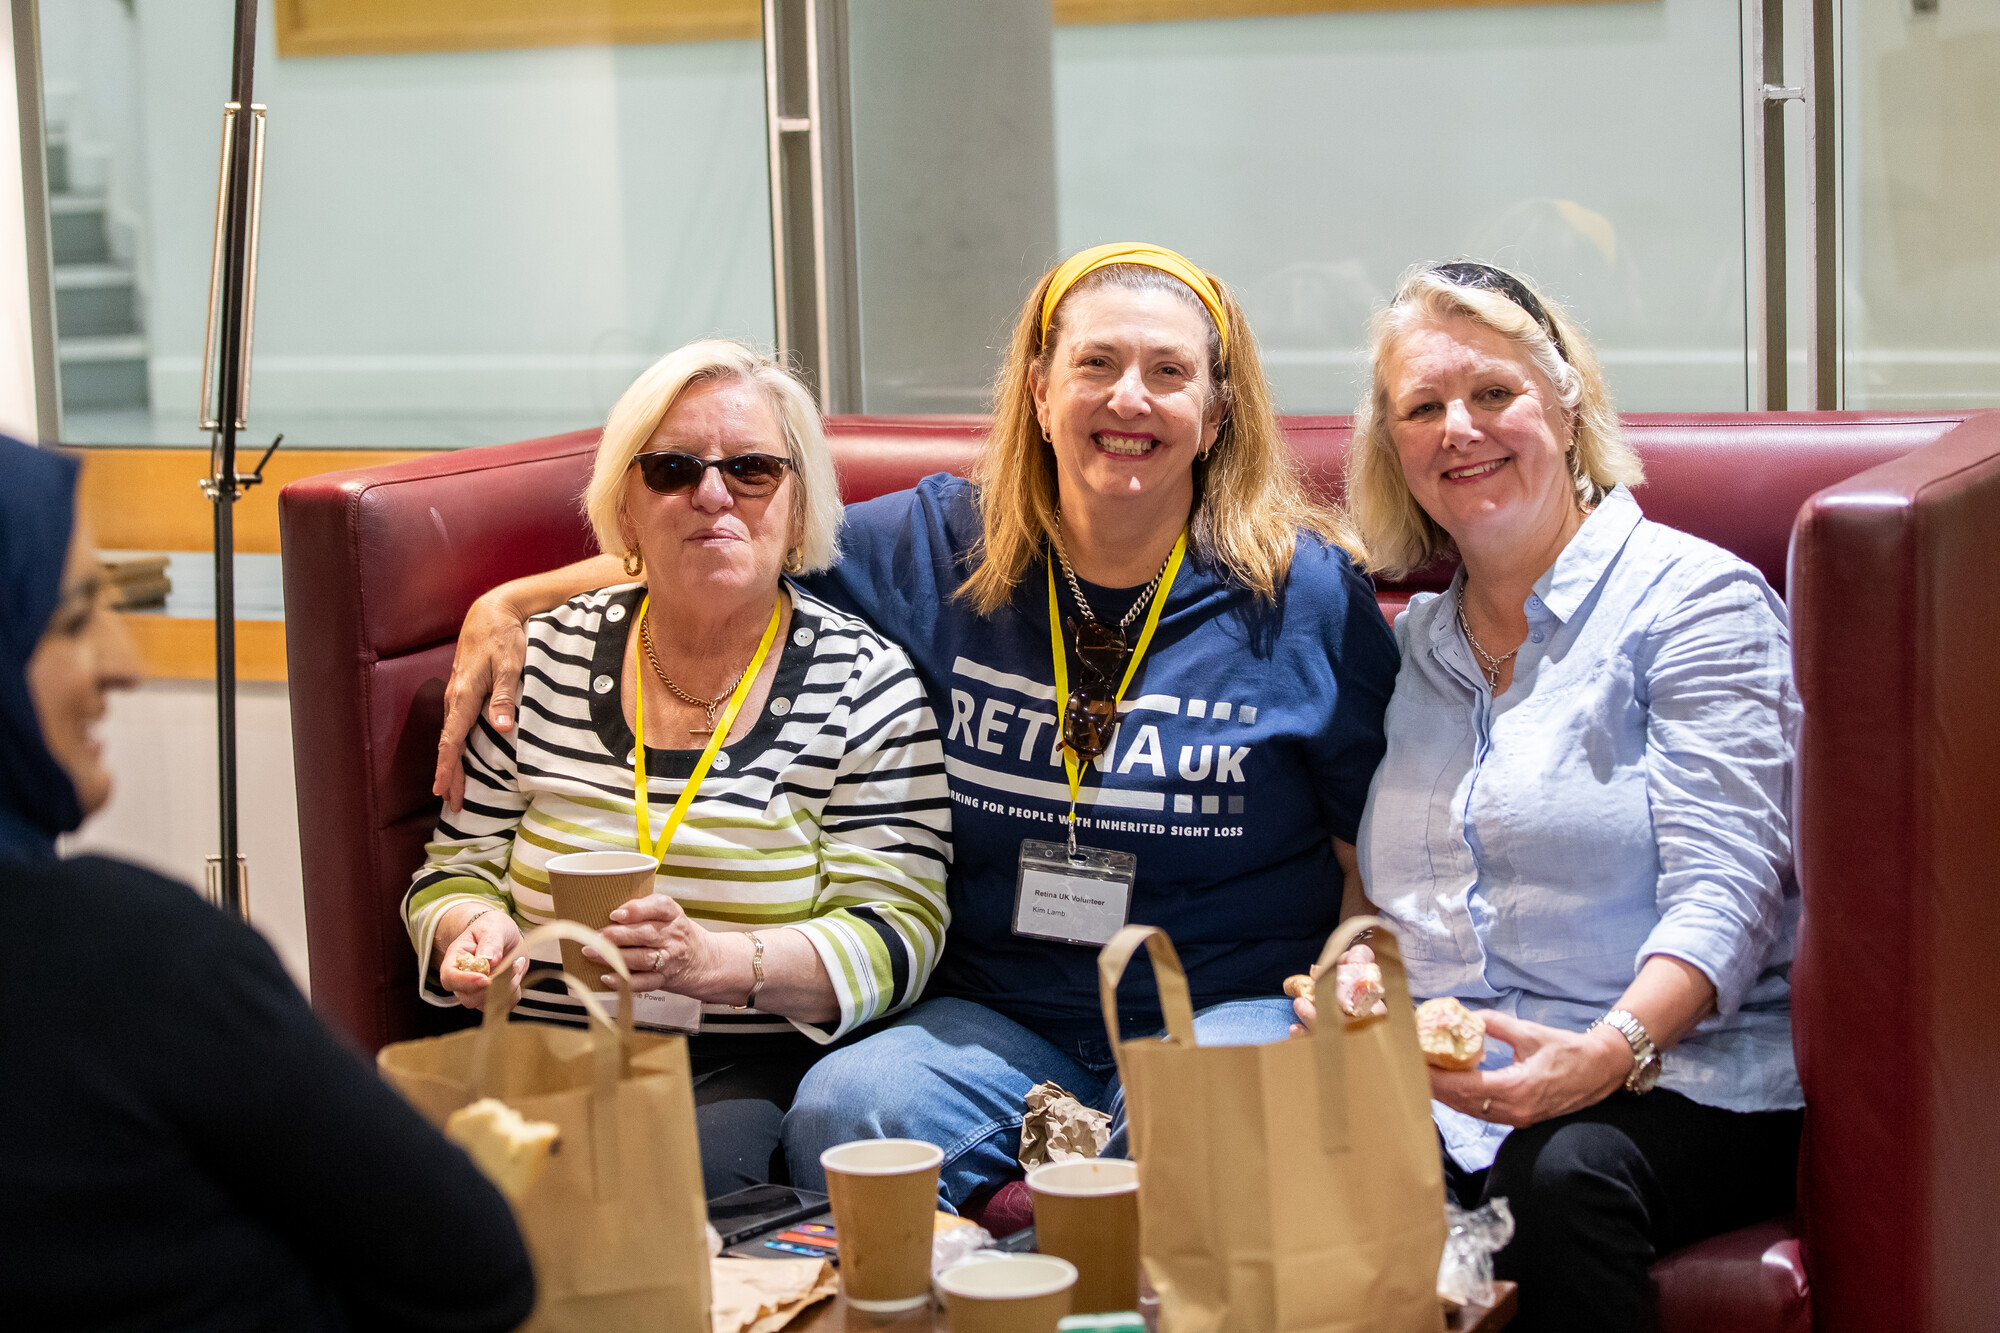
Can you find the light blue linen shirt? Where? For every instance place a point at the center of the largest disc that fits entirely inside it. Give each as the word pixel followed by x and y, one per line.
pixel 1629 794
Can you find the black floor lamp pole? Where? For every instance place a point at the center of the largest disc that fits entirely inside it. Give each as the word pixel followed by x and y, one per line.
pixel 232 292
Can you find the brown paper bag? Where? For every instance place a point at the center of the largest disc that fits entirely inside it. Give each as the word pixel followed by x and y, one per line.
pixel 615 1225
pixel 1288 1188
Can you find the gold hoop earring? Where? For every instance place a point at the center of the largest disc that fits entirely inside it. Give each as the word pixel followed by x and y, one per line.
pixel 635 563
pixel 795 561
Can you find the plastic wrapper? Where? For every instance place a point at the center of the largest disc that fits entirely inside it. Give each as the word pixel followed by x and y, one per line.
pixel 1472 1239
pixel 954 1245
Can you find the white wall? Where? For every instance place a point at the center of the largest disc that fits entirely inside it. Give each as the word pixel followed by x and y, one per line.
pixel 1922 160
pixel 159 740
pixel 1310 160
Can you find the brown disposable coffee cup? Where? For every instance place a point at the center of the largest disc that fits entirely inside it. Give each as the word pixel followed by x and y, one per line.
pixel 1088 1213
pixel 586 887
pixel 1008 1293
pixel 884 1195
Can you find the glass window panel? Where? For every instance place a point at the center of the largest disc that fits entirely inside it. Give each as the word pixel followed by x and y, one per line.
pixel 458 248
pixel 1309 160
pixel 1921 145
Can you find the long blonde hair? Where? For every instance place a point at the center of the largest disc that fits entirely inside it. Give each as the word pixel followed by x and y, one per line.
pixel 1250 500
pixel 1396 532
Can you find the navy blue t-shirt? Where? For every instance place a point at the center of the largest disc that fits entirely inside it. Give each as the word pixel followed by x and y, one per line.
pixel 1246 745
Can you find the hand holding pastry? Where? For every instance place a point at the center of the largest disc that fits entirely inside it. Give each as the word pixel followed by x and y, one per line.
pixel 1452 1036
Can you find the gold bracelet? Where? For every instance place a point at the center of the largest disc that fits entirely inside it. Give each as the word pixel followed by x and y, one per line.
pixel 756 971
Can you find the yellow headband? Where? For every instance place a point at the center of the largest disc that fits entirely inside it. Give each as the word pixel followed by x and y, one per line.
pixel 1072 269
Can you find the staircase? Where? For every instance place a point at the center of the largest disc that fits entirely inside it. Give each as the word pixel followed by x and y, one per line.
pixel 99 341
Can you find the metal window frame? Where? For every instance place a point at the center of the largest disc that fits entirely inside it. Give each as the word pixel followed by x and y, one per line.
pixel 1766 95
pixel 27 30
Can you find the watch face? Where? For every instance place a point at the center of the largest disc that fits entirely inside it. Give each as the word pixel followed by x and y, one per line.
pixel 1645 1076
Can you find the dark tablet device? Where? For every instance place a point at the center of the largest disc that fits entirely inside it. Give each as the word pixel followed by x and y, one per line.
pixel 747 1213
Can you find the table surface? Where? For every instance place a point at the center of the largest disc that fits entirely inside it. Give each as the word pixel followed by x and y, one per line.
pixel 833 1316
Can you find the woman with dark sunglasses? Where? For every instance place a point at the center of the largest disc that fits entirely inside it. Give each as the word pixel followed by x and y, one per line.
pixel 1581 827
pixel 1138 632
pixel 790 781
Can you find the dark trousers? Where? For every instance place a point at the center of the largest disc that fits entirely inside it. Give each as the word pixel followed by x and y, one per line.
pixel 743 1085
pixel 1598 1194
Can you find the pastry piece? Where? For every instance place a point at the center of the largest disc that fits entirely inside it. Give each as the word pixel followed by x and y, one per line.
pixel 511 1150
pixel 1358 987
pixel 472 962
pixel 1300 987
pixel 1453 1037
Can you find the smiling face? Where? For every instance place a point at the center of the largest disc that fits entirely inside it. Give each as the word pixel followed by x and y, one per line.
pixel 1482 439
pixel 1126 399
pixel 85 653
pixel 710 539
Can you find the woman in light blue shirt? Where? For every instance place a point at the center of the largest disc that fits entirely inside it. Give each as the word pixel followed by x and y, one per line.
pixel 1582 824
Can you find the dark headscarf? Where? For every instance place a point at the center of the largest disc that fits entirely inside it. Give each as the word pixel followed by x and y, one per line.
pixel 37 511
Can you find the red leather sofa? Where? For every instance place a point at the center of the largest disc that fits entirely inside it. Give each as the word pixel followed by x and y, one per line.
pixel 1893 528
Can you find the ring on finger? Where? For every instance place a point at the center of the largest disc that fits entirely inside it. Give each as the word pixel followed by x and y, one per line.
pixel 1486 1106
pixel 656 961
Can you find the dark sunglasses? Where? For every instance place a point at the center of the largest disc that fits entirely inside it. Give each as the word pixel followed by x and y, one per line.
pixel 1466 273
pixel 1091 712
pixel 669 472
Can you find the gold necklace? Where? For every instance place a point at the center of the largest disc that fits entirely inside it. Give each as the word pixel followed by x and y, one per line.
pixel 1083 603
pixel 707 706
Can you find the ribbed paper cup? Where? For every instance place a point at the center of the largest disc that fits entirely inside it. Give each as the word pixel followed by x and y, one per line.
pixel 884 1194
pixel 1088 1213
pixel 586 887
pixel 1012 1293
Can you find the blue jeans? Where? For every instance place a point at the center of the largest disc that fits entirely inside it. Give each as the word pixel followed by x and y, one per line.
pixel 955 1073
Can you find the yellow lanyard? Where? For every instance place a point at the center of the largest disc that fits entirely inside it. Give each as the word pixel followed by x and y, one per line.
pixel 643 809
pixel 1070 764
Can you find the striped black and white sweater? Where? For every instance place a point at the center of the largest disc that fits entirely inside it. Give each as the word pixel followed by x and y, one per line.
pixel 831 816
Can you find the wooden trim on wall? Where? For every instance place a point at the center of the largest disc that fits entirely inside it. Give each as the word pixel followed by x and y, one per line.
pixel 394 27
pixel 151 500
pixel 1165 11
pixel 381 27
pixel 177 648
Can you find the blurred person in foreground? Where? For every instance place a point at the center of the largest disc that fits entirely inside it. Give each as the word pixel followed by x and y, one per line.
pixel 1582 827
pixel 182 1144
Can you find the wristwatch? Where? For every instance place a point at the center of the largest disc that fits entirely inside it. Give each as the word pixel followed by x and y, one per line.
pixel 1645 1056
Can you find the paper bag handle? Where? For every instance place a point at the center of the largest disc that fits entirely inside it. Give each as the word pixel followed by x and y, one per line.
pixel 611 1039
pixel 1330 1033
pixel 1175 1006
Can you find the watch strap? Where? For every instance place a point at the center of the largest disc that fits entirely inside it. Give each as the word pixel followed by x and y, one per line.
pixel 1645 1055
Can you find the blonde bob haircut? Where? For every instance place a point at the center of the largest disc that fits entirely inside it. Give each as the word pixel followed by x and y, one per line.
pixel 1250 503
pixel 1396 532
pixel 816 508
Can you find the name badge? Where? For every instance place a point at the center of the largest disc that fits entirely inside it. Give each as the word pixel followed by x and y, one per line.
pixel 1080 899
pixel 659 1010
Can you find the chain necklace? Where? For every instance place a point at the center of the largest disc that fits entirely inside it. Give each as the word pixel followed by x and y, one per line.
pixel 1490 666
pixel 707 706
pixel 1083 603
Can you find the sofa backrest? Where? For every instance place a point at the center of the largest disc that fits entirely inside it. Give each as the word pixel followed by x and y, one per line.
pixel 1895 992
pixel 380 565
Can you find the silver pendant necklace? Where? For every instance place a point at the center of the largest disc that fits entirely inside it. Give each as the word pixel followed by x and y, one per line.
pixel 1083 603
pixel 1490 666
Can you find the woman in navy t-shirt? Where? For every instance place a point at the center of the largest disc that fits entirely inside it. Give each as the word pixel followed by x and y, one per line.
pixel 1137 482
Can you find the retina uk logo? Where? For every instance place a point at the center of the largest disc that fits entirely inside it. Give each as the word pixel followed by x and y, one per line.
pixel 1168 754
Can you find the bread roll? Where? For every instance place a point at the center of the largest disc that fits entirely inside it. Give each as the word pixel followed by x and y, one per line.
pixel 1453 1037
pixel 510 1150
pixel 472 962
